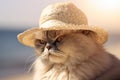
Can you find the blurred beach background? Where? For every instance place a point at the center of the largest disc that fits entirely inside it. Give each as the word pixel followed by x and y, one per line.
pixel 19 15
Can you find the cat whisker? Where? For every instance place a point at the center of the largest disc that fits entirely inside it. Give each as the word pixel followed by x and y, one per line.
pixel 30 60
pixel 31 67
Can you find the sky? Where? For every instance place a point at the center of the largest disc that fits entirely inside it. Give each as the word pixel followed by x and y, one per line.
pixel 20 14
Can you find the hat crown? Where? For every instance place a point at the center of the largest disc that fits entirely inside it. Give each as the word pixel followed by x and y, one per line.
pixel 64 12
pixel 62 16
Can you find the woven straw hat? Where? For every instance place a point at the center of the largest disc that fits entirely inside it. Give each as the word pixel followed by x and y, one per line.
pixel 62 16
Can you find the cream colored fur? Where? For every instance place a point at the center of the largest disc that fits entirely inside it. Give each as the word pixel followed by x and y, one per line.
pixel 81 59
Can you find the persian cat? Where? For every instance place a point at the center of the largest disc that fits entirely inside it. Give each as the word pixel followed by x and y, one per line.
pixel 72 55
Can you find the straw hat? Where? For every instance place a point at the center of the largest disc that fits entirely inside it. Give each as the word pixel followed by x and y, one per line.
pixel 62 16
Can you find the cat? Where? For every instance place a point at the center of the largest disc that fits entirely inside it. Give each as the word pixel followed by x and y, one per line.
pixel 73 55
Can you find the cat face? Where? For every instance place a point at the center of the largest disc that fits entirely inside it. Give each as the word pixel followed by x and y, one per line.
pixel 62 46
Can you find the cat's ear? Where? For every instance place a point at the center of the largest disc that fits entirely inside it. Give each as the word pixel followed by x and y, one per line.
pixel 86 32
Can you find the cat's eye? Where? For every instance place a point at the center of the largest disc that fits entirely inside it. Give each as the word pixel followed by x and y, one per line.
pixel 39 42
pixel 59 39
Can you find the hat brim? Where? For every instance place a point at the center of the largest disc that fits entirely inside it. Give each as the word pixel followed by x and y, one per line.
pixel 28 37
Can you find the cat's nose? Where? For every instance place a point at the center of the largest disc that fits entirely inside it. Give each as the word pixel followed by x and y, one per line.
pixel 48 46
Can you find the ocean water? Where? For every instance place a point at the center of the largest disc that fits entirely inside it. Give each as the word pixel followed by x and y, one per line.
pixel 14 57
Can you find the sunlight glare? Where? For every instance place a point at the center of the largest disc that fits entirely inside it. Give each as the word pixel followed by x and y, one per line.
pixel 106 4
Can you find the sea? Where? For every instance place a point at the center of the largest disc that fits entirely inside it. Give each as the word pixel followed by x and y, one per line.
pixel 15 58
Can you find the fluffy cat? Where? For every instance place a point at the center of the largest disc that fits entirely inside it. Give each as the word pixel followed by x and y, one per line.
pixel 73 55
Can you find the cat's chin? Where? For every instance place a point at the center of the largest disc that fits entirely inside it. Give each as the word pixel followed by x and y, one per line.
pixel 57 58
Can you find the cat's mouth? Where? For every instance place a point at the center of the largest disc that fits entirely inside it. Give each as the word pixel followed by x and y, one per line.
pixel 54 56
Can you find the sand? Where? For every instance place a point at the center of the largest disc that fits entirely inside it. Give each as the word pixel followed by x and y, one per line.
pixel 19 77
